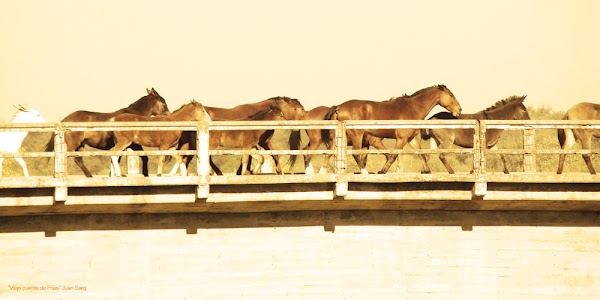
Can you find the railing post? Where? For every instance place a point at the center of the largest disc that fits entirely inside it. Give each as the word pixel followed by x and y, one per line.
pixel 529 164
pixel 341 184
pixel 134 164
pixel 202 142
pixel 479 146
pixel 60 164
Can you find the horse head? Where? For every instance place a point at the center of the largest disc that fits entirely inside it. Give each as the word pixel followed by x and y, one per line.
pixel 200 113
pixel 25 115
pixel 291 108
pixel 156 104
pixel 448 101
pixel 521 112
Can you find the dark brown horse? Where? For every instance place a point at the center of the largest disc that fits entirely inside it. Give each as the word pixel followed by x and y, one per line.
pixel 163 140
pixel 414 107
pixel 245 139
pixel 568 137
pixel 315 139
pixel 511 108
pixel 291 108
pixel 151 104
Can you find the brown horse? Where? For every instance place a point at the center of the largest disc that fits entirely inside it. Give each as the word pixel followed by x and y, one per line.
pixel 568 137
pixel 151 104
pixel 414 107
pixel 164 140
pixel 315 139
pixel 511 108
pixel 245 139
pixel 291 108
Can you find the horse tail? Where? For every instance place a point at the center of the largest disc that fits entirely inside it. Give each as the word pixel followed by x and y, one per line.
pixel 294 142
pixel 331 114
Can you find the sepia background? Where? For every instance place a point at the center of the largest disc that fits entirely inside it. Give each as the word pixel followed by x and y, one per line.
pixel 61 56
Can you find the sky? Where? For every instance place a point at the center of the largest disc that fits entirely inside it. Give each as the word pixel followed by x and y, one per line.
pixel 61 56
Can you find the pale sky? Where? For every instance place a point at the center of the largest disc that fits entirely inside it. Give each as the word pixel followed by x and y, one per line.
pixel 60 56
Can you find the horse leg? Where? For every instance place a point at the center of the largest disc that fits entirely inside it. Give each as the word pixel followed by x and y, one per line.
pixel 266 145
pixel 377 143
pixel 260 159
pixel 400 142
pixel 1 161
pixel 356 139
pixel 503 158
pixel 443 156
pixel 144 158
pixel 79 162
pixel 23 166
pixel 214 167
pixel 115 159
pixel 569 141
pixel 245 159
pixel 586 143
pixel 314 141
pixel 415 143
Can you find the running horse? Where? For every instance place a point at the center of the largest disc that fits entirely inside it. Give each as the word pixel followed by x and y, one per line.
pixel 151 104
pixel 315 139
pixel 413 107
pixel 163 140
pixel 12 140
pixel 568 137
pixel 511 108
pixel 245 139
pixel 291 108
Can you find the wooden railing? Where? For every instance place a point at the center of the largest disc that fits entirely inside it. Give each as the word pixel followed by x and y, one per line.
pixel 480 178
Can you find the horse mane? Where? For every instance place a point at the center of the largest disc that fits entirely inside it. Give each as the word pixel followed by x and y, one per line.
pixel 427 89
pixel 140 103
pixel 261 114
pixel 504 102
pixel 285 99
pixel 185 104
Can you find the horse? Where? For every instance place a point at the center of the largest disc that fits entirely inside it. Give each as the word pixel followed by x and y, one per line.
pixel 568 137
pixel 511 108
pixel 12 140
pixel 151 104
pixel 315 139
pixel 291 108
pixel 163 140
pixel 245 139
pixel 413 107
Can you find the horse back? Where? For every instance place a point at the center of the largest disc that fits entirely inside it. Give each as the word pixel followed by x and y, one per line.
pixel 583 111
pixel 88 116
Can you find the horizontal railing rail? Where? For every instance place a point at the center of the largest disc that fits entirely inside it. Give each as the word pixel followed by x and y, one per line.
pixel 480 176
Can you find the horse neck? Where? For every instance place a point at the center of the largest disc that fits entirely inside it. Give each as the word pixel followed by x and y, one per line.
pixel 238 112
pixel 139 107
pixel 500 113
pixel 183 114
pixel 421 105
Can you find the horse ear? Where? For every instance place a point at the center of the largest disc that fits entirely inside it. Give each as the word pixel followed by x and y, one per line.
pixel 20 107
pixel 149 91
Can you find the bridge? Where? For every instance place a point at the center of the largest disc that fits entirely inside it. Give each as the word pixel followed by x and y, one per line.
pixel 481 189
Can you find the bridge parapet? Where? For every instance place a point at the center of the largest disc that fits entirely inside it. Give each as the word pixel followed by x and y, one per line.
pixel 334 188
